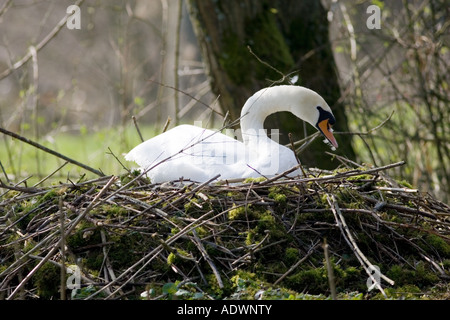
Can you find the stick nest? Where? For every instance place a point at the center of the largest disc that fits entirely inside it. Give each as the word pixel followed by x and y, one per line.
pixel 285 238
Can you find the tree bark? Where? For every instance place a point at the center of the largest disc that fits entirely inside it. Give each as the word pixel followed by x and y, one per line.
pixel 290 35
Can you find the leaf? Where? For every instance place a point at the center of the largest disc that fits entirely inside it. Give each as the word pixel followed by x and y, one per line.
pixel 169 288
pixel 182 292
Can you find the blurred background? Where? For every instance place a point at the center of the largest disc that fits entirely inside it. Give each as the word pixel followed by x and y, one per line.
pixel 180 61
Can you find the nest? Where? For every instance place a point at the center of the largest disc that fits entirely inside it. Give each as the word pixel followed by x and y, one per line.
pixel 351 230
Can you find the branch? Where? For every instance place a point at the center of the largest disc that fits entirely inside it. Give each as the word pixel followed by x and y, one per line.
pixel 57 154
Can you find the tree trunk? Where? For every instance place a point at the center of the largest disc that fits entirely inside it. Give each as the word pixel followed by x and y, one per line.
pixel 290 35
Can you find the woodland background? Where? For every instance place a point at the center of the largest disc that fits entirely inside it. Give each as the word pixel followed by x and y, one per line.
pixel 75 91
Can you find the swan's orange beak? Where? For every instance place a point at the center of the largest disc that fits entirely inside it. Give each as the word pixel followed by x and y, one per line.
pixel 325 128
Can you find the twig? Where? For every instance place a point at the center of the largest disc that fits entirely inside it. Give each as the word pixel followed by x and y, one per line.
pixel 299 262
pixel 166 125
pixel 55 248
pixel 331 278
pixel 63 250
pixel 137 128
pixel 208 259
pixel 50 175
pixel 365 263
pixel 52 152
pixel 187 94
pixel 293 150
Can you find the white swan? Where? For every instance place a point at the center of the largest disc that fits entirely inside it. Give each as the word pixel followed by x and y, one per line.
pixel 199 154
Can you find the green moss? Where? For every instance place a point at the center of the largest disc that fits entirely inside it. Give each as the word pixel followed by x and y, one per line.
pixel 47 281
pixel 405 184
pixel 315 280
pixel 190 206
pixel 111 210
pixel 241 212
pixel 250 238
pixel 171 258
pixel 126 248
pixel 86 233
pixel 420 276
pixel 310 280
pixel 291 255
pixel 406 292
pixel 250 180
pixel 360 177
pixel 437 243
pixel 276 193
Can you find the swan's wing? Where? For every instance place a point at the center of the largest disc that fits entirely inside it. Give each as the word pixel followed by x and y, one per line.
pixel 190 152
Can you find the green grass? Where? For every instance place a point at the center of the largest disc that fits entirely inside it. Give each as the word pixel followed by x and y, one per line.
pixel 21 160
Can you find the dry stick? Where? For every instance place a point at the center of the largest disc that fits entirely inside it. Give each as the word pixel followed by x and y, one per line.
pixel 40 45
pixel 155 252
pixel 187 94
pixel 51 174
pixel 137 128
pixel 107 266
pixel 330 271
pixel 57 154
pixel 296 264
pixel 293 150
pixel 166 125
pixel 152 254
pixel 366 264
pixel 207 258
pixel 252 249
pixel 193 191
pixel 4 172
pixel 342 175
pixel 62 248
pixel 55 248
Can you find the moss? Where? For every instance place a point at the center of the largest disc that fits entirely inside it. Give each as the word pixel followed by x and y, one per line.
pixel 171 258
pixel 291 255
pixel 405 184
pixel 126 248
pixel 111 210
pixel 406 292
pixel 215 290
pixel 242 213
pixel 437 243
pixel 47 280
pixel 277 194
pixel 310 280
pixel 27 210
pixel 360 177
pixel 315 280
pixel 86 233
pixel 420 276
pixel 250 180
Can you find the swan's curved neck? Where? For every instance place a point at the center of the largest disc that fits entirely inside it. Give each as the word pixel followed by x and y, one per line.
pixel 266 102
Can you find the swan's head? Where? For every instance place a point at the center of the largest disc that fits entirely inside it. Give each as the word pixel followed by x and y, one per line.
pixel 304 103
pixel 324 124
pixel 312 108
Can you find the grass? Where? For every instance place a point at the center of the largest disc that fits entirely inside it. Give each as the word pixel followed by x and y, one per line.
pixel 21 160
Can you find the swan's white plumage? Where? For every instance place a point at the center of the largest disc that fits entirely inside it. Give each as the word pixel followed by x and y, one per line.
pixel 199 154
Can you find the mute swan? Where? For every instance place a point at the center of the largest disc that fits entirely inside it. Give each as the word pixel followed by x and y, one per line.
pixel 192 152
